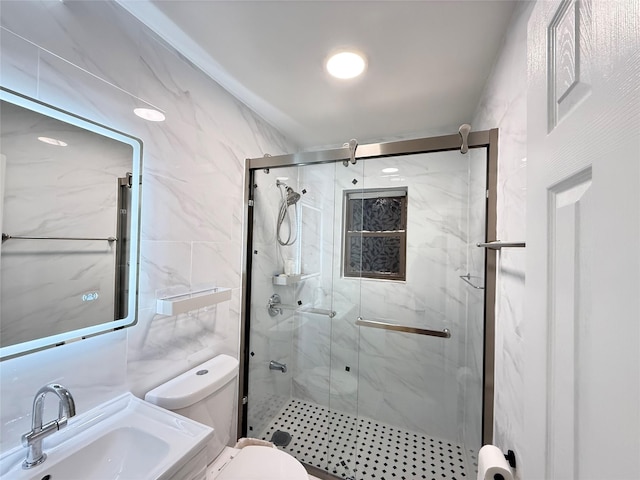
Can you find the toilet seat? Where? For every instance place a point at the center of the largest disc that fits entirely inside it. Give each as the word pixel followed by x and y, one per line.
pixel 263 463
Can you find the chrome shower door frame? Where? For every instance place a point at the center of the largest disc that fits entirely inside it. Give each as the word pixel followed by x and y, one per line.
pixel 483 139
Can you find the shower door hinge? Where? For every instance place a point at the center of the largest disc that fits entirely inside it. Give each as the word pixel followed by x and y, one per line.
pixel 251 203
pixel 487 193
pixel 245 400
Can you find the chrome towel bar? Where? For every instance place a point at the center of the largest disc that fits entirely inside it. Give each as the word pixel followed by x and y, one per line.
pixel 275 307
pixel 403 328
pixel 497 245
pixel 6 236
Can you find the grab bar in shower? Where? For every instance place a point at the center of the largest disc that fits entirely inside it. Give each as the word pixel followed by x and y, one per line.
pixel 318 311
pixel 445 333
pixel 275 307
pixel 497 245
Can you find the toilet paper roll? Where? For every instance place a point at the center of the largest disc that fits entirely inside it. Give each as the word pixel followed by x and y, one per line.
pixel 492 465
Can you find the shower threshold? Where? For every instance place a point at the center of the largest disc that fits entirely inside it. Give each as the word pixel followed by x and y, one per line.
pixel 351 447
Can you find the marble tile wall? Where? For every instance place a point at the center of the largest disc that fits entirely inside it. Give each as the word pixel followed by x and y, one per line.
pixel 95 60
pixel 503 105
pixel 405 380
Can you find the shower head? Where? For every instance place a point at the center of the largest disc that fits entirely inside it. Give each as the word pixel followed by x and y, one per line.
pixel 292 197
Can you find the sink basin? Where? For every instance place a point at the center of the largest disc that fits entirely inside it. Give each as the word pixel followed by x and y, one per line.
pixel 112 454
pixel 125 438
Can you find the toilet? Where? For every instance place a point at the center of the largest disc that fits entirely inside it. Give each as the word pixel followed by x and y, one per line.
pixel 206 394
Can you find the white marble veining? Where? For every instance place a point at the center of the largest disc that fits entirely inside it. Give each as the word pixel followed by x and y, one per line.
pixel 95 60
pixel 93 370
pixel 503 105
pixel 18 64
pixel 405 380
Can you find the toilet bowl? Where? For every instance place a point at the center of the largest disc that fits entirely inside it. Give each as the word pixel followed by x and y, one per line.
pixel 264 463
pixel 207 394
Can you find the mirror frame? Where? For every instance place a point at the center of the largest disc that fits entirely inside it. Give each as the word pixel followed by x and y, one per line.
pixel 11 351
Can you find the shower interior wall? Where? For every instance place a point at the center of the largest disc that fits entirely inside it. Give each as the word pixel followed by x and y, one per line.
pixel 424 384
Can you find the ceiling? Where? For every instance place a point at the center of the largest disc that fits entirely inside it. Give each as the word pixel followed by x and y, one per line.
pixel 428 61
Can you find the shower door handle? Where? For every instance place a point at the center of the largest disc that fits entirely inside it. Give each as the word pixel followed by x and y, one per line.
pixel 445 333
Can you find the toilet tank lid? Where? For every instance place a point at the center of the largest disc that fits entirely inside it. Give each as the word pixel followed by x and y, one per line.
pixel 195 384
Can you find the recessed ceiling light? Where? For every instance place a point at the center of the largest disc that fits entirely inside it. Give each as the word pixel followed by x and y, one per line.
pixel 53 141
pixel 149 114
pixel 389 170
pixel 346 65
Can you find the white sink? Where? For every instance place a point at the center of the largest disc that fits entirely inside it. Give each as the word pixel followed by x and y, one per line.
pixel 125 438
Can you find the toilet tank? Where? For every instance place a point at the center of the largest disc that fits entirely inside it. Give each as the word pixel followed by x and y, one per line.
pixel 206 394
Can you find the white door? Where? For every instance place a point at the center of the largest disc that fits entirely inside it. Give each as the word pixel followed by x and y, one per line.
pixel 582 337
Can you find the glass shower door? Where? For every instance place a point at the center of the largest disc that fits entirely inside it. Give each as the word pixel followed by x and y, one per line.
pixel 335 378
pixel 412 328
pixel 292 310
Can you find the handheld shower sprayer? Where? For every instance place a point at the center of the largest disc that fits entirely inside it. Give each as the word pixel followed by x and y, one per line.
pixel 292 197
pixel 289 197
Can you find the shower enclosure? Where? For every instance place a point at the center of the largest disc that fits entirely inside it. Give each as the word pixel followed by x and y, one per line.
pixel 368 316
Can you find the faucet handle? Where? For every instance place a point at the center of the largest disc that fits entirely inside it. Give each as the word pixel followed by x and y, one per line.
pixel 46 430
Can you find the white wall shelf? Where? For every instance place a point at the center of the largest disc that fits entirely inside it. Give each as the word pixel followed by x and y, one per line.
pixel 285 280
pixel 189 301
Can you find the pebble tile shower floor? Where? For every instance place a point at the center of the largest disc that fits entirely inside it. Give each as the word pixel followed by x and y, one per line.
pixel 363 449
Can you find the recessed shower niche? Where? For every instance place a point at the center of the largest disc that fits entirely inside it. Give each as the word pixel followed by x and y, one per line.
pixel 372 351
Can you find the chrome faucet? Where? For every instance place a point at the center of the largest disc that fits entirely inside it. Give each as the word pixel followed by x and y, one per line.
pixel 273 365
pixel 33 439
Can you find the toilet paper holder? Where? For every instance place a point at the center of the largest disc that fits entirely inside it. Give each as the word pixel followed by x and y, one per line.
pixel 510 456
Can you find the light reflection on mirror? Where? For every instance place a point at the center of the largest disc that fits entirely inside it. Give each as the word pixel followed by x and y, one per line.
pixel 70 216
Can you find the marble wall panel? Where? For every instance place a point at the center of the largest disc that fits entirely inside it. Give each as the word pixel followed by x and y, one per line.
pixel 18 64
pixel 93 370
pixel 216 263
pixel 89 44
pixel 503 105
pixel 95 60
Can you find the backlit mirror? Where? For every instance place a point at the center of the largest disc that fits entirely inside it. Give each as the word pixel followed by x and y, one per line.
pixel 70 216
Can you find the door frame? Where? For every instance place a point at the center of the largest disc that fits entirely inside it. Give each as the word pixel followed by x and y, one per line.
pixel 483 139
